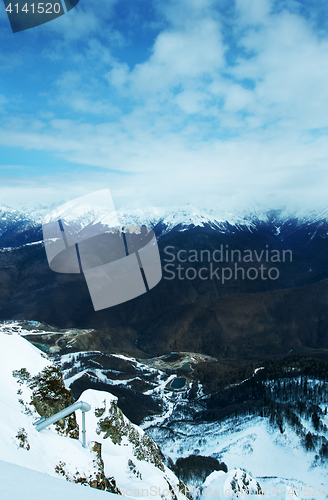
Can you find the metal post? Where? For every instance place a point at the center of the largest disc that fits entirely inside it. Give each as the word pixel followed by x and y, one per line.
pixel 42 423
pixel 83 430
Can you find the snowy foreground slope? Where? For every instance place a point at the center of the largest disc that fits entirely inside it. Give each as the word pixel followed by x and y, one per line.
pixel 276 461
pixel 262 462
pixel 19 482
pixel 119 458
pixel 129 460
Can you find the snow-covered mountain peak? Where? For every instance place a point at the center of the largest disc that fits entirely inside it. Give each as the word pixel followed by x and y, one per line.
pixel 11 214
pixel 180 217
pixel 94 208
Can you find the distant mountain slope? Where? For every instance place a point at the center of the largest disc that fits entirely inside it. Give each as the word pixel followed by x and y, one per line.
pixel 239 319
pixel 166 219
pixel 17 228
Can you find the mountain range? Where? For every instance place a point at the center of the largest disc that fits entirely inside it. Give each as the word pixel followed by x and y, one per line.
pixel 237 320
pixel 219 369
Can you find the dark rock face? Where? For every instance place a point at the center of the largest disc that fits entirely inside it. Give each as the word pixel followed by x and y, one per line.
pixel 101 482
pixel 196 467
pixel 51 396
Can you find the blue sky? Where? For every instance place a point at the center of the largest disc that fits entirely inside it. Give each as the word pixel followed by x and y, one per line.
pixel 216 103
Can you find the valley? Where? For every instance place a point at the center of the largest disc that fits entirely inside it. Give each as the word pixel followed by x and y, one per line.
pixel 239 321
pixel 235 372
pixel 257 425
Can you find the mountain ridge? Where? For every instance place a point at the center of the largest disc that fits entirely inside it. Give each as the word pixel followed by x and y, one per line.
pixel 170 216
pixel 185 314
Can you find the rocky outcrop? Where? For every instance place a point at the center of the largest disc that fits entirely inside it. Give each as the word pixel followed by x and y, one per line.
pixel 49 396
pixel 115 426
pixel 96 478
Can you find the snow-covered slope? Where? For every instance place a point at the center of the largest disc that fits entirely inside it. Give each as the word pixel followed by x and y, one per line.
pixel 14 220
pixel 169 216
pixel 118 451
pixel 119 455
pixel 235 482
pixel 277 461
pixel 33 485
pixel 248 445
pixel 184 216
pixel 258 456
pixel 181 216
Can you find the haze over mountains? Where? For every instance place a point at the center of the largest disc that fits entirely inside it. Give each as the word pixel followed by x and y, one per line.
pixel 238 319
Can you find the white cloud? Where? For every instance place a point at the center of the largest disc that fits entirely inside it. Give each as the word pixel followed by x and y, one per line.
pixel 186 123
pixel 191 101
pixel 76 90
pixel 178 58
pixel 118 76
pixel 165 167
pixel 290 72
pixel 253 11
pixel 237 98
pixel 83 21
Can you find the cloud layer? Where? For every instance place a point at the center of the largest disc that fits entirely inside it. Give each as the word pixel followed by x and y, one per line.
pixel 203 101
